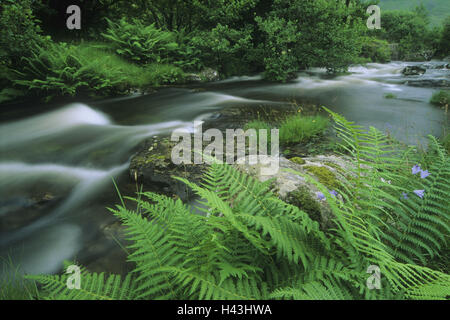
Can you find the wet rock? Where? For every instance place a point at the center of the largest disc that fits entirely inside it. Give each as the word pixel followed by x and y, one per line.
pixel 413 71
pixel 206 75
pixel 153 167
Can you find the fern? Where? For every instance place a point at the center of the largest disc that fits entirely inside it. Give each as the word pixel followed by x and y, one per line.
pixel 248 244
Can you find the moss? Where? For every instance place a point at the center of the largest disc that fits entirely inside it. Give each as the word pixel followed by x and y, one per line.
pixel 297 160
pixel 304 201
pixel 336 166
pixel 324 175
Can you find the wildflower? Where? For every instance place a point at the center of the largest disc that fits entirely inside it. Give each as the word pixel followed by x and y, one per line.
pixel 424 174
pixel 333 193
pixel 404 195
pixel 419 193
pixel 384 181
pixel 320 195
pixel 416 169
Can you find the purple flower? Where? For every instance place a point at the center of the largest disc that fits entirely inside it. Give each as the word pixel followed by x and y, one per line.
pixel 333 193
pixel 424 174
pixel 320 195
pixel 416 169
pixel 419 193
pixel 404 195
pixel 388 125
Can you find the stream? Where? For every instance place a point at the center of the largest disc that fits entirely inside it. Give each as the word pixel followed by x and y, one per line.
pixel 58 162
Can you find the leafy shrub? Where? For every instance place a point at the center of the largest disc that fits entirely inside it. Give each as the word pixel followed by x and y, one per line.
pixel 251 245
pixel 224 48
pixel 409 29
pixel 19 31
pixel 140 43
pixel 68 70
pixel 440 98
pixel 280 62
pixel 376 50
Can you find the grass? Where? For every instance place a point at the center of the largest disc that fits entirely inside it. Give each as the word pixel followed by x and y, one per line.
pixel 445 140
pixel 441 98
pixel 294 129
pixel 14 286
pixel 297 129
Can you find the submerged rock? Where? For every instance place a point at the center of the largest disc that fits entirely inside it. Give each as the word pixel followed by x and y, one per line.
pixel 16 213
pixel 428 83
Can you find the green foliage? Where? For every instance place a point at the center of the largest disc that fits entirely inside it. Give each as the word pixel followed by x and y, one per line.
pixel 248 244
pixel 438 9
pixel 324 175
pixel 302 199
pixel 93 286
pixel 260 125
pixel 293 129
pixel 69 70
pixel 19 31
pixel 441 98
pixel 296 129
pixel 13 285
pixel 410 30
pixel 445 140
pixel 411 229
pixel 444 41
pixel 390 96
pixel 280 62
pixel 298 160
pixel 300 34
pixel 376 50
pixel 140 43
pixel 224 48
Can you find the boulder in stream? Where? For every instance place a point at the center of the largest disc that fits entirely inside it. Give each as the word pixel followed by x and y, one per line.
pixel 206 75
pixel 413 71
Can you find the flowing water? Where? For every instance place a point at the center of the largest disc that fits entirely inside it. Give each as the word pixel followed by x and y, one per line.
pixel 58 162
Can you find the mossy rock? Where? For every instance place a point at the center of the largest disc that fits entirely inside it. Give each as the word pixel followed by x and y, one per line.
pixel 298 160
pixel 324 175
pixel 302 199
pixel 153 167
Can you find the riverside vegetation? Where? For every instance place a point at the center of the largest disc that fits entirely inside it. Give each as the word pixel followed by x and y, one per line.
pixel 113 54
pixel 393 213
